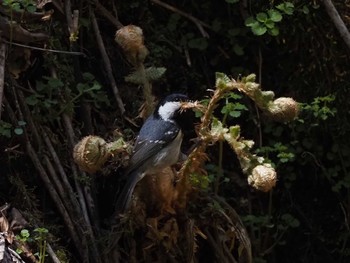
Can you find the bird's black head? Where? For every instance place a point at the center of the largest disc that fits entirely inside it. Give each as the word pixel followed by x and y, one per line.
pixel 170 105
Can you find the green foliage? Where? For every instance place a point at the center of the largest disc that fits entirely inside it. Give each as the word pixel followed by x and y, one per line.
pixel 5 129
pixel 19 130
pixel 152 74
pixel 39 236
pixel 267 21
pixel 233 109
pixel 321 108
pixel 283 153
pixel 20 5
pixel 45 99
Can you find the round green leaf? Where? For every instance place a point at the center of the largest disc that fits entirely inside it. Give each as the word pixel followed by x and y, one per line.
pixel 21 123
pixel 270 24
pixel 305 10
pixel 238 50
pixel 259 29
pixel 250 21
pixel 274 15
pixel 274 31
pixel 18 131
pixel 261 17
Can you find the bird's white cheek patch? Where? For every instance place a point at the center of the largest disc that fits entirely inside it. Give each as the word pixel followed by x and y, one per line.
pixel 166 111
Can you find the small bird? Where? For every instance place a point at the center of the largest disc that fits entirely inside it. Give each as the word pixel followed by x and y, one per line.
pixel 157 146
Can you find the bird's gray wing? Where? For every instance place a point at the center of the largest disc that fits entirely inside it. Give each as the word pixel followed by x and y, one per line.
pixel 154 135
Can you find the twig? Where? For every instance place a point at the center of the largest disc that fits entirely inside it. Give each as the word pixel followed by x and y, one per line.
pixel 68 188
pixel 82 201
pixel 107 63
pixel 200 24
pixel 45 49
pixel 14 31
pixel 2 72
pixel 338 22
pixel 68 12
pixel 77 239
pixel 103 11
pixel 52 254
pixel 65 198
pixel 216 247
pixel 28 118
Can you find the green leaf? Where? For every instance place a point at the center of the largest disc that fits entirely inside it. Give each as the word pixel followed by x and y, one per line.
pixel 5 129
pixel 250 21
pixel 87 76
pixel 18 131
pixel 55 83
pixel 217 129
pixel 259 29
pixel 95 86
pixel 21 123
pixel 234 32
pixel 238 50
pixel 270 24
pixel 81 87
pixel 39 85
pixel 239 106
pixel 31 8
pixel 153 73
pixel 274 15
pixel 231 1
pixel 25 233
pixel 286 7
pixel 134 77
pixel 16 7
pixel 198 43
pixel 274 31
pixel 32 100
pixel 305 10
pixel 233 134
pixel 235 114
pixel 221 80
pixel 261 17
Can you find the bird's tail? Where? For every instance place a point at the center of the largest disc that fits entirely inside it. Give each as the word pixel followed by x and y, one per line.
pixel 123 201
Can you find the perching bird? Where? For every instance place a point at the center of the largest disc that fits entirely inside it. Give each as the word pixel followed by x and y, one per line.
pixel 157 146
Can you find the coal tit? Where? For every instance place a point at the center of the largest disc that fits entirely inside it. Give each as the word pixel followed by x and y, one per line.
pixel 157 146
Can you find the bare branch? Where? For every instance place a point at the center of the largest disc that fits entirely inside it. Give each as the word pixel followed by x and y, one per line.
pixel 107 63
pixel 104 12
pixel 2 72
pixel 200 24
pixel 338 22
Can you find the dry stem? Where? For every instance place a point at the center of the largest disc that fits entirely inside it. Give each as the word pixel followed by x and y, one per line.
pixel 107 63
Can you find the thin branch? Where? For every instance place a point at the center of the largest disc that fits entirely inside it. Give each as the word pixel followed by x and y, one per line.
pixel 85 204
pixel 67 10
pixel 14 31
pixel 29 119
pixel 52 254
pixel 107 63
pixel 2 72
pixel 104 12
pixel 45 49
pixel 200 24
pixel 338 22
pixel 78 240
